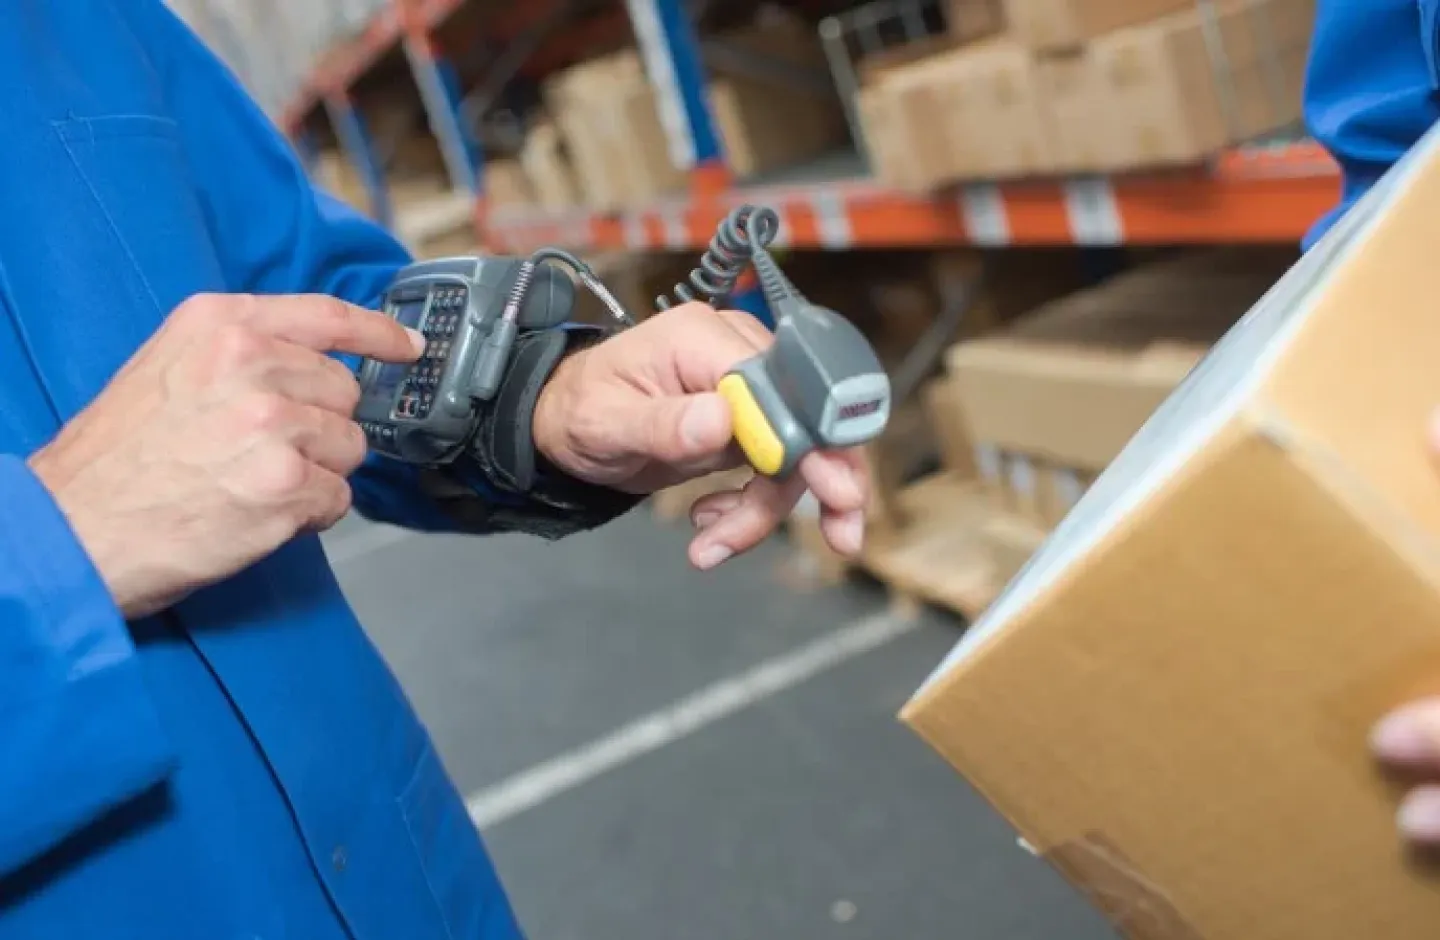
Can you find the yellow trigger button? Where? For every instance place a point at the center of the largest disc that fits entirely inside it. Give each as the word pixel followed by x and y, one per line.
pixel 753 432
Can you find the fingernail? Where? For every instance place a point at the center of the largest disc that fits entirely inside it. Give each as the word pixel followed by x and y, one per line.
pixel 417 339
pixel 1405 737
pixel 1419 816
pixel 704 520
pixel 712 556
pixel 703 422
pixel 850 533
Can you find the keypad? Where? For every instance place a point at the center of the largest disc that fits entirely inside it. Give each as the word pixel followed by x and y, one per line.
pixel 417 396
pixel 379 435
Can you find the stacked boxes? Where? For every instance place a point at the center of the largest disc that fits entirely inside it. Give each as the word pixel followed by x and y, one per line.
pixel 608 137
pixel 1089 86
pixel 1051 400
pixel 605 111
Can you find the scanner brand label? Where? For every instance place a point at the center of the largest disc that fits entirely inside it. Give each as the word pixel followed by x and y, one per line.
pixel 860 409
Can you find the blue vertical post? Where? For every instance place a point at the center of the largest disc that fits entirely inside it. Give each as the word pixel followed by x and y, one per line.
pixel 355 141
pixel 671 50
pixel 440 91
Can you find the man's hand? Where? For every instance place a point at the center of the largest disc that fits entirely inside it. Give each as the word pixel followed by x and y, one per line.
pixel 228 433
pixel 640 413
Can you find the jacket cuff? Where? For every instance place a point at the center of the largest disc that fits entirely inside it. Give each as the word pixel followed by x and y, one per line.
pixel 75 691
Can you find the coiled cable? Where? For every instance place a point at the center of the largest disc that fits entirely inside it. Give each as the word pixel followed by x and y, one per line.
pixel 745 232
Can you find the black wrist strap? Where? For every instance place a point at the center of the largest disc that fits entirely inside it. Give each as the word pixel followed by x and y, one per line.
pixel 540 500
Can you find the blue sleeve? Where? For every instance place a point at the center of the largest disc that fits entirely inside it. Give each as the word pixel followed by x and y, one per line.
pixel 81 733
pixel 1370 90
pixel 277 233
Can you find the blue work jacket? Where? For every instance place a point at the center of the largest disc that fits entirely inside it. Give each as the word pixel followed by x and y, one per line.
pixel 243 767
pixel 1371 87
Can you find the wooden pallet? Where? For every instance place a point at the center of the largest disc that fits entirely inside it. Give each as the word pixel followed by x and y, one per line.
pixel 940 557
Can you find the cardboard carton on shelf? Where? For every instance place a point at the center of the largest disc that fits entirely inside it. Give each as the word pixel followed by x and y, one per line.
pixel 1083 115
pixel 548 169
pixel 606 112
pixel 1051 25
pixel 1071 383
pixel 763 127
pixel 990 104
pixel 908 145
pixel 507 186
pixel 766 124
pixel 971 111
pixel 1183 87
pixel 969 20
pixel 1172 702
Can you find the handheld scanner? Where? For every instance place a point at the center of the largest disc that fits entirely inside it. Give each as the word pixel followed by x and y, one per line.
pixel 425 412
pixel 820 386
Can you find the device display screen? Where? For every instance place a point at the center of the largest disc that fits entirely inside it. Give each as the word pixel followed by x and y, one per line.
pixel 388 377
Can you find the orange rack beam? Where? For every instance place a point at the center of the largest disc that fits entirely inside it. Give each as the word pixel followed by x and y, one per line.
pixel 1256 195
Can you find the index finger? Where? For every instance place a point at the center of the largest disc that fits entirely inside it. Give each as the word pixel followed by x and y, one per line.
pixel 328 324
pixel 706 344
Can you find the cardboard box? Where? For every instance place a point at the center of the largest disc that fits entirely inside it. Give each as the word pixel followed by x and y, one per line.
pixel 970 20
pixel 606 112
pixel 882 120
pixel 990 105
pixel 1172 702
pixel 946 417
pixel 908 143
pixel 765 124
pixel 1046 25
pixel 966 22
pixel 548 169
pixel 1186 86
pixel 507 185
pixel 971 112
pixel 1073 381
pixel 1083 115
pixel 764 127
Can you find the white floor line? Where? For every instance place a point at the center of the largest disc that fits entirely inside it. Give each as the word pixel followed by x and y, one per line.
pixel 530 788
pixel 372 538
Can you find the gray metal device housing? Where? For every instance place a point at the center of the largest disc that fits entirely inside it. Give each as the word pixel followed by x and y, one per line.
pixel 820 384
pixel 439 436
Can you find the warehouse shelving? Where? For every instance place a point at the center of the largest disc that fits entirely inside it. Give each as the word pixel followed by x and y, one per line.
pixel 1263 193
pixel 1270 196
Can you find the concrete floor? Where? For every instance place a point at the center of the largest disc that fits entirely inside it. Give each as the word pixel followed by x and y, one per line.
pixel 807 813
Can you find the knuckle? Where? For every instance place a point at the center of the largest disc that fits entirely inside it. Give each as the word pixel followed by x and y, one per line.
pixel 237 345
pixel 284 474
pixel 266 412
pixel 199 308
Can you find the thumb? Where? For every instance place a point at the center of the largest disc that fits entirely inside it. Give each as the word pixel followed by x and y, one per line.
pixel 685 429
